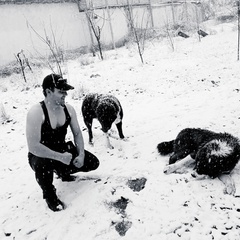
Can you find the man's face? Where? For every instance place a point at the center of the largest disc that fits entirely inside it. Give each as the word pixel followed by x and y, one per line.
pixel 59 96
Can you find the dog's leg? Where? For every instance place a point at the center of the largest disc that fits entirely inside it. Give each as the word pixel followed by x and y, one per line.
pixel 178 165
pixel 112 136
pixel 90 136
pixel 88 123
pixel 229 184
pixel 119 128
pixel 108 141
pixel 198 176
pixel 178 155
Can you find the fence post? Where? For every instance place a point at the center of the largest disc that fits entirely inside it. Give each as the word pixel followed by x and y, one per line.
pixel 151 14
pixel 130 15
pixel 173 13
pixel 186 9
pixel 110 23
pixel 90 31
pixel 238 13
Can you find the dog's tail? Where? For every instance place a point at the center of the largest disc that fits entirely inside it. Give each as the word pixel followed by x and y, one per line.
pixel 165 148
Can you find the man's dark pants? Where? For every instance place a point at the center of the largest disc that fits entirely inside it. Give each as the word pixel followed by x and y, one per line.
pixel 44 169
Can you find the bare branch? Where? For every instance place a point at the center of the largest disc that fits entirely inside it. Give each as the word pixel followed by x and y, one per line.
pixel 52 46
pixel 96 30
pixel 21 63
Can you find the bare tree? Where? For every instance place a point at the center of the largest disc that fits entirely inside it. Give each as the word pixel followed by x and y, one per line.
pixel 23 62
pixel 170 38
pixel 95 29
pixel 4 117
pixel 197 22
pixel 53 47
pixel 139 34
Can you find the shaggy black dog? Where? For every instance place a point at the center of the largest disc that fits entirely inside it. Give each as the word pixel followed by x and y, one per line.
pixel 107 109
pixel 213 153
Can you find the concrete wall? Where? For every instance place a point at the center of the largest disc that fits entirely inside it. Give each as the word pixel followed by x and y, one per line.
pixel 68 25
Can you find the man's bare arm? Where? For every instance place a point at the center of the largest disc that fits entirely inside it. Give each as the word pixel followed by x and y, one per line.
pixel 34 122
pixel 78 138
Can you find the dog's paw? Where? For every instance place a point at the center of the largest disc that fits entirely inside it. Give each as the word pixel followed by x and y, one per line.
pixel 230 189
pixel 169 169
pixel 229 185
pixel 197 176
pixel 110 147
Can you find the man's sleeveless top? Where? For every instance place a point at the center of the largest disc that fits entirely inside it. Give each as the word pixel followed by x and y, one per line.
pixel 54 138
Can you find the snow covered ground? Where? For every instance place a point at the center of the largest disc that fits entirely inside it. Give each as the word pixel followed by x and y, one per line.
pixel 197 85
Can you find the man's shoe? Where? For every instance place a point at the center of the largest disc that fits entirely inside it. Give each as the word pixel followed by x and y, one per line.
pixel 54 203
pixel 68 178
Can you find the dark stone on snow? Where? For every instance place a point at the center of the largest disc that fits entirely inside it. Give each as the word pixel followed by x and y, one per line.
pixel 121 204
pixel 137 184
pixel 122 227
pixel 202 33
pixel 182 34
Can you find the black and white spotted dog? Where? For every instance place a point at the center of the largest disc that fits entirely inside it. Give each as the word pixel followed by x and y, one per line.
pixel 213 154
pixel 107 109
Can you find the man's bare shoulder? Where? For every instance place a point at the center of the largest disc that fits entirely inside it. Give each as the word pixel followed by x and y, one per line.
pixel 35 108
pixel 70 108
pixel 35 111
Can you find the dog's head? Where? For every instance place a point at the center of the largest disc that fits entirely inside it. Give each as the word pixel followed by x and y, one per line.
pixel 106 114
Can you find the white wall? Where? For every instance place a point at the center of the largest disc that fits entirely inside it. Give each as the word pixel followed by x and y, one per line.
pixel 118 22
pixel 68 24
pixel 70 27
pixel 64 20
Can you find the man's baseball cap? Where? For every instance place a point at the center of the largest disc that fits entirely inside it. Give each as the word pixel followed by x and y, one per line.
pixel 56 81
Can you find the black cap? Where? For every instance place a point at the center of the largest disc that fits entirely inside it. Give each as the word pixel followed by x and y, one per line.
pixel 56 81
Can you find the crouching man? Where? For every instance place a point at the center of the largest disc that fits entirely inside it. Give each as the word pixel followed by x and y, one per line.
pixel 46 130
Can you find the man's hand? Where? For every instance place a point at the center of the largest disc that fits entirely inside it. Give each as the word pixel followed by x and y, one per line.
pixel 79 160
pixel 66 158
